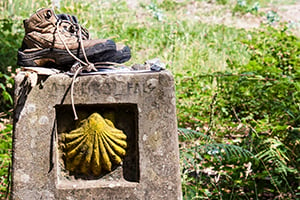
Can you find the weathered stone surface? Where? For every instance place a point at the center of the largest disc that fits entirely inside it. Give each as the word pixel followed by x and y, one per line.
pixel 144 105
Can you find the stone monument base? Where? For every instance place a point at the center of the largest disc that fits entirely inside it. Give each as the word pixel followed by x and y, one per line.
pixel 143 106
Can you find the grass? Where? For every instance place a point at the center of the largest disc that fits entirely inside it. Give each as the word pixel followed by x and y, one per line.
pixel 177 42
pixel 170 31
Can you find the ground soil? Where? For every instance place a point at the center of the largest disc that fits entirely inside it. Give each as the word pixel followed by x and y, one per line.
pixel 222 14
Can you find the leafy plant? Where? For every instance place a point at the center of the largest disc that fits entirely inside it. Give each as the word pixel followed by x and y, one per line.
pixel 6 85
pixel 242 6
pixel 269 82
pixel 207 162
pixel 256 107
pixel 272 17
pixel 266 97
pixel 5 158
pixel 10 41
pixel 156 12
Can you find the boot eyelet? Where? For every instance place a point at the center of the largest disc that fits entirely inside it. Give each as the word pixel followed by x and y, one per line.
pixel 48 14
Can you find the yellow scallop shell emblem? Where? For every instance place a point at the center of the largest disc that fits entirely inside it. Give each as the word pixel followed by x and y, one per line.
pixel 94 147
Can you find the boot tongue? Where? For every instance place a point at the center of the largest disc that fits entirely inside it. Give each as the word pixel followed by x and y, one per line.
pixel 67 17
pixel 73 19
pixel 42 20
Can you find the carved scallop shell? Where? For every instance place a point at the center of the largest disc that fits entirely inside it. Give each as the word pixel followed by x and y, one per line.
pixel 94 147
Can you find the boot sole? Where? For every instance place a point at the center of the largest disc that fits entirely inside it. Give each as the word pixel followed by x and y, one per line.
pixel 119 56
pixel 62 57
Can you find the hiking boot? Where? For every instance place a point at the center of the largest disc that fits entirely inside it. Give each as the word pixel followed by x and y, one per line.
pixel 73 19
pixel 122 54
pixel 49 39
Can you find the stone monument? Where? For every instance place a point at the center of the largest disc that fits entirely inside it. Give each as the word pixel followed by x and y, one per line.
pixel 137 107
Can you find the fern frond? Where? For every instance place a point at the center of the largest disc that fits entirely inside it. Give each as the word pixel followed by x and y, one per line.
pixel 227 152
pixel 275 153
pixel 188 135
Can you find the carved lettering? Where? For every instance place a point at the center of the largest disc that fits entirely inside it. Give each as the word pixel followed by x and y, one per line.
pixel 137 88
pixel 120 88
pixel 57 88
pixel 80 89
pixel 108 87
pixel 96 87
pixel 129 87
pixel 150 85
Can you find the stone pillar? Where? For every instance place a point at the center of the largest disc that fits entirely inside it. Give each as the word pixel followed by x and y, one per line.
pixel 144 108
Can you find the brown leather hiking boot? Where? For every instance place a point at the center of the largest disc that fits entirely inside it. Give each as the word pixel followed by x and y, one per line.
pixel 51 40
pixel 73 19
pixel 121 55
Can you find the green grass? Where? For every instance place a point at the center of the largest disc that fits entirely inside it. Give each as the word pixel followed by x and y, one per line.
pixel 5 158
pixel 183 44
pixel 176 42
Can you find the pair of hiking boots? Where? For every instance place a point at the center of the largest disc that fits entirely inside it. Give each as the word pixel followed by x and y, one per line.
pixel 58 41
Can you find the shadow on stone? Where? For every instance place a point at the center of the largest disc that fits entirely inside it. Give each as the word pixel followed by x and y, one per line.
pixel 21 95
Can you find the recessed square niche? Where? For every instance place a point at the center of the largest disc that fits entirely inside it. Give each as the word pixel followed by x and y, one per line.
pixel 124 118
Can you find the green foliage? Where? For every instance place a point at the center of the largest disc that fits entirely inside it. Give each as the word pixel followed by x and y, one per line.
pixel 156 12
pixel 5 158
pixel 243 6
pixel 9 43
pixel 222 2
pixel 210 168
pixel 267 91
pixel 272 17
pixel 11 35
pixel 6 84
pixel 188 134
pixel 171 5
pixel 257 103
pixel 276 153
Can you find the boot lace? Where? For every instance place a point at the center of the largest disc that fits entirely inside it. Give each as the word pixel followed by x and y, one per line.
pixel 79 65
